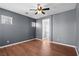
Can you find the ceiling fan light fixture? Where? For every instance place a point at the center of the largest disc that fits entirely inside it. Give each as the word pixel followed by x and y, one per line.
pixel 40 9
pixel 39 12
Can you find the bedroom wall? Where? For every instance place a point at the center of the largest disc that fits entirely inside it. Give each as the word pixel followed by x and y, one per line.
pixel 39 29
pixel 77 17
pixel 63 27
pixel 20 30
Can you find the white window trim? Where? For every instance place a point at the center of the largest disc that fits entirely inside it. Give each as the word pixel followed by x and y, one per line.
pixel 6 19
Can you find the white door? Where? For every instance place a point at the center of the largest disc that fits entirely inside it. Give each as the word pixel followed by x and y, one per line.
pixel 46 29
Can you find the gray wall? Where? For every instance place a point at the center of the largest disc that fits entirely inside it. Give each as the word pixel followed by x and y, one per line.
pixel 20 30
pixel 64 27
pixel 39 29
pixel 77 17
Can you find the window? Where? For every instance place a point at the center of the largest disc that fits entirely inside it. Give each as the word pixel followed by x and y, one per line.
pixel 33 24
pixel 6 19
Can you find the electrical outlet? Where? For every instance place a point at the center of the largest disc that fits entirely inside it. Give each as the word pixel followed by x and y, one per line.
pixel 8 41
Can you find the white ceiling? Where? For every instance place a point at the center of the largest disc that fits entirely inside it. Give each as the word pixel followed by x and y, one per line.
pixel 23 8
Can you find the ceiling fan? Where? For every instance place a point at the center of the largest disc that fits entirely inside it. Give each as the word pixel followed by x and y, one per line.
pixel 39 9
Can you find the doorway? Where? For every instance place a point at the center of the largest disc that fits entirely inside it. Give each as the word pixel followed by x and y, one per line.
pixel 46 31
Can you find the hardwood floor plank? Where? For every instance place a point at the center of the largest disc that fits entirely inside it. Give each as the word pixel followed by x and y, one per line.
pixel 38 48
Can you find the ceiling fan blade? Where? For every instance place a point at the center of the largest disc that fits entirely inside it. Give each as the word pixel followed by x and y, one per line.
pixel 36 13
pixel 46 9
pixel 43 12
pixel 32 9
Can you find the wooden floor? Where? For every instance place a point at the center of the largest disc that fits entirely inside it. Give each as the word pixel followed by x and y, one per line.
pixel 38 48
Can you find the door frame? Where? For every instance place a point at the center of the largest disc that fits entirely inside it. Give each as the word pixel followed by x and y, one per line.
pixel 49 27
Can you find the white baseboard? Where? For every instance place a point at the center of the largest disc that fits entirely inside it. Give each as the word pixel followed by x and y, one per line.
pixel 63 44
pixel 16 43
pixel 39 39
pixel 76 49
